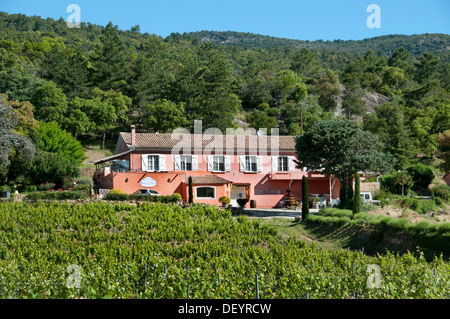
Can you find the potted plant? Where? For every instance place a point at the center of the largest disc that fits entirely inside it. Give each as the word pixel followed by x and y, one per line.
pixel 316 202
pixel 242 202
pixel 225 200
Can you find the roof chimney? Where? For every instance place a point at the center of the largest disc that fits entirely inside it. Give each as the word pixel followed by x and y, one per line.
pixel 133 135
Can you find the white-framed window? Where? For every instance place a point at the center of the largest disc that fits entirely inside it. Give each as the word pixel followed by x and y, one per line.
pixel 283 163
pixel 186 162
pixel 153 162
pixel 205 192
pixel 251 163
pixel 218 163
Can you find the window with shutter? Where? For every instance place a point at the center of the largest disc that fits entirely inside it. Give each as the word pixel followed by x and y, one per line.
pixel 251 165
pixel 186 162
pixel 218 163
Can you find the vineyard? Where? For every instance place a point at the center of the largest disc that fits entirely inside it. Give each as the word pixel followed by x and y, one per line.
pixel 156 250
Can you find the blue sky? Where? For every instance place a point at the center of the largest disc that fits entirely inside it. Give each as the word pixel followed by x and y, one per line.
pixel 299 19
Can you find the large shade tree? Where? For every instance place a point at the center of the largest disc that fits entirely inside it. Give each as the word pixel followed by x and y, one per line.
pixel 341 148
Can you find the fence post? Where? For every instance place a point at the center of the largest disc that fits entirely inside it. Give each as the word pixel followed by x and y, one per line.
pixel 257 286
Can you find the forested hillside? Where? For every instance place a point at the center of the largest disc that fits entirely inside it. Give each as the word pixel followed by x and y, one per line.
pixel 95 81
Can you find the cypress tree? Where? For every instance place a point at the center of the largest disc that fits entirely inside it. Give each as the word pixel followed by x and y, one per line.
pixel 356 196
pixel 191 192
pixel 305 204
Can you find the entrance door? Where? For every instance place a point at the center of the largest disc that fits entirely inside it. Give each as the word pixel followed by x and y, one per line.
pixel 236 192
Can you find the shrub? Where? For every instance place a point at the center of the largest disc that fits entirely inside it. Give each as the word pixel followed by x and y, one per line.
pixel 117 195
pixel 317 219
pixel 387 183
pixel 421 226
pixel 46 186
pixel 361 216
pixel 116 191
pixel 411 203
pixel 336 212
pixel 444 227
pixel 440 192
pixel 427 206
pixel 398 223
pixel 384 220
pixel 56 195
pixel 224 199
pixel 422 176
pixel 30 188
pixel 176 197
pixel 85 180
pixel 81 187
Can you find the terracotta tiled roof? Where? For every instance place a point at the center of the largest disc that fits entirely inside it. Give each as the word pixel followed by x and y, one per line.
pixel 245 142
pixel 208 179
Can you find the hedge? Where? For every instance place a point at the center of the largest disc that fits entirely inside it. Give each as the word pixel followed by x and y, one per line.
pixel 57 195
pixel 385 222
pixel 174 198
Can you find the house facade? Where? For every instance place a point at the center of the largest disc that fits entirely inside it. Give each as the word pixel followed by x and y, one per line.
pixel 259 168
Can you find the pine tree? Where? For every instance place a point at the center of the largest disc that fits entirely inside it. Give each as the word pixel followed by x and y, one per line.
pixel 356 196
pixel 110 61
pixel 305 203
pixel 191 192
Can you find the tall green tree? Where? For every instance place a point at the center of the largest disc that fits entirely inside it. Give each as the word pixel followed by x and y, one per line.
pixel 50 103
pixel 12 143
pixel 204 85
pixel 352 102
pixel 341 148
pixel 403 178
pixel 357 196
pixel 305 62
pixel 327 87
pixel 69 69
pixel 305 201
pixel 165 116
pixel 53 139
pixel 110 60
pixel 389 124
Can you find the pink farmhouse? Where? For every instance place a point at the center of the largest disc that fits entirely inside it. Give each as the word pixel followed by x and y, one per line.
pixel 259 168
